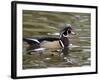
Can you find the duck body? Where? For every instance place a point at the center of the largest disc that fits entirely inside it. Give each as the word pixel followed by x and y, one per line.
pixel 48 42
pixel 45 42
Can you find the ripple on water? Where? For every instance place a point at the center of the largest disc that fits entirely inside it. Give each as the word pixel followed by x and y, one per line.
pixel 82 30
pixel 87 47
pixel 78 30
pixel 84 37
pixel 73 46
pixel 83 40
pixel 86 50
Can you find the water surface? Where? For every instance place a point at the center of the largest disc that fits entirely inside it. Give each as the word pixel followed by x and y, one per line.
pixel 43 24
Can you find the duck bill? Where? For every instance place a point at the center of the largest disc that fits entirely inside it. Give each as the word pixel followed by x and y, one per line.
pixel 73 33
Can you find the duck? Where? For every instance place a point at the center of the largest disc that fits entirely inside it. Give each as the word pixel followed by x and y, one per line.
pixel 38 44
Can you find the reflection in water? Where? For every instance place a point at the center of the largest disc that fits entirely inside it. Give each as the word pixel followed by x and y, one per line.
pixel 65 52
pixel 67 58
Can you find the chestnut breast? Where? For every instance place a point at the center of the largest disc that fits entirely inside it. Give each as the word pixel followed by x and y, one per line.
pixel 65 41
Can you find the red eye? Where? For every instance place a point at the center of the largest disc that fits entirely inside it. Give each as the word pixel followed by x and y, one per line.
pixel 69 31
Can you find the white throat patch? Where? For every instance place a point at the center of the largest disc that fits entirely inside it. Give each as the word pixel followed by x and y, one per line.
pixel 65 36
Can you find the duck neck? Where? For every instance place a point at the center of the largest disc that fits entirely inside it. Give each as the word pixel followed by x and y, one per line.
pixel 64 41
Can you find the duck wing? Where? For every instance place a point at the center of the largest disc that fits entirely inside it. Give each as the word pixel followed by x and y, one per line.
pixel 47 39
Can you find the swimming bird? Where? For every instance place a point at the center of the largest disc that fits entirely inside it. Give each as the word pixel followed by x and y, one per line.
pixel 39 44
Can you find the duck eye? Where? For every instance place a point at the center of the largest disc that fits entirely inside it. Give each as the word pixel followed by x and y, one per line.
pixel 69 31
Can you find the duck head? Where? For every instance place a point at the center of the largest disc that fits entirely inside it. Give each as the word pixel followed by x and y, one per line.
pixel 64 34
pixel 67 31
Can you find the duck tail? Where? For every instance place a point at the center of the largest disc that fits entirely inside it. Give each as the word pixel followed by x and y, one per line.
pixel 25 39
pixel 31 41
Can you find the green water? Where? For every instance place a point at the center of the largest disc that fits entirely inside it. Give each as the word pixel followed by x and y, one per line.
pixel 42 24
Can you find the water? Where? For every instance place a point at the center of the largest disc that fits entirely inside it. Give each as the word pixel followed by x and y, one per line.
pixel 41 24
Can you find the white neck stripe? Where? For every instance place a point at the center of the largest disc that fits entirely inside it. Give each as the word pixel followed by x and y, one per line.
pixel 62 44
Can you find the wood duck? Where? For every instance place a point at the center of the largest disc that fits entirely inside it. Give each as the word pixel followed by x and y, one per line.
pixel 47 42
